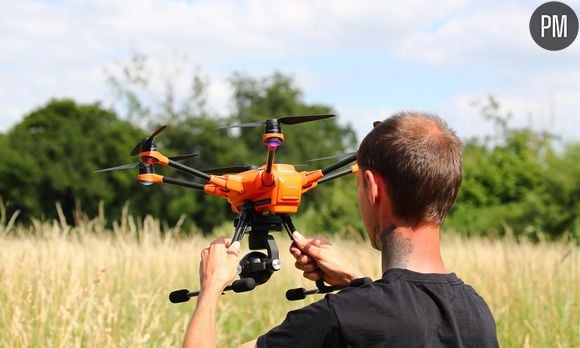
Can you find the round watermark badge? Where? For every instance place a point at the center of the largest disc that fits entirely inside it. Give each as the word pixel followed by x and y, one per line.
pixel 554 26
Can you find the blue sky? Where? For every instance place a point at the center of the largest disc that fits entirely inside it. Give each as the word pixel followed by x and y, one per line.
pixel 366 58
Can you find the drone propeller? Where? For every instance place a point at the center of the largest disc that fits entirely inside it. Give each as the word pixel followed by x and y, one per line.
pixel 182 157
pixel 133 165
pixel 146 141
pixel 283 120
pixel 123 167
pixel 344 155
pixel 229 170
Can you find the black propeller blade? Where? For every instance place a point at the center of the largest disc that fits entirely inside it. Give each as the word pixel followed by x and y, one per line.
pixel 344 155
pixel 182 157
pixel 229 170
pixel 283 120
pixel 123 167
pixel 302 119
pixel 136 164
pixel 137 149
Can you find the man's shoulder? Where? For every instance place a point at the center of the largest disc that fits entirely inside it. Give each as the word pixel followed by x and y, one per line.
pixel 415 306
pixel 394 284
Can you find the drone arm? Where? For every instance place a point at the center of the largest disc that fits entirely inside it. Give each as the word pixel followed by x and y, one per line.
pixel 151 178
pixel 156 157
pixel 267 176
pixel 211 189
pixel 272 140
pixel 184 183
pixel 351 158
pixel 230 182
pixel 270 159
pixel 189 170
pixel 313 178
pixel 351 170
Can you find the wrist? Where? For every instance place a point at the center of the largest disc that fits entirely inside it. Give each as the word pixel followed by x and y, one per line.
pixel 210 287
pixel 354 275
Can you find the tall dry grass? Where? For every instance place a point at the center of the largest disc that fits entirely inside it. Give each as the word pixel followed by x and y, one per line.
pixel 87 286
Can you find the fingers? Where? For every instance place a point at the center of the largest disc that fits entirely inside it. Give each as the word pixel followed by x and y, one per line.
pixel 314 276
pixel 299 256
pixel 294 250
pixel 234 248
pixel 309 267
pixel 307 246
pixel 222 243
pixel 299 240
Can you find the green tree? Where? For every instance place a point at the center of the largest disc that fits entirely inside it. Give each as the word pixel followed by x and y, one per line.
pixel 198 134
pixel 330 208
pixel 192 129
pixel 515 181
pixel 52 156
pixel 275 96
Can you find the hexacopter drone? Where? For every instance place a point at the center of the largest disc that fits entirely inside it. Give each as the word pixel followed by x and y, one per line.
pixel 264 197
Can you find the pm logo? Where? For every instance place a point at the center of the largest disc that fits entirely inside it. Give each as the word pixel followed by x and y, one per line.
pixel 554 26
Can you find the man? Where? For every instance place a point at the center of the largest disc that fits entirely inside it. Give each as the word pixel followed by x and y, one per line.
pixel 410 171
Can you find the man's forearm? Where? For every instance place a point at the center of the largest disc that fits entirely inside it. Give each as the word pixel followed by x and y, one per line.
pixel 201 331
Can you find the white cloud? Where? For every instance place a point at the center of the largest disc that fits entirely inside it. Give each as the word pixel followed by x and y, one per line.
pixel 491 32
pixel 546 102
pixel 361 119
pixel 60 48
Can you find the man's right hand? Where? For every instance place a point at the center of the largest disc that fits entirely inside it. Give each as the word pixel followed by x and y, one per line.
pixel 319 259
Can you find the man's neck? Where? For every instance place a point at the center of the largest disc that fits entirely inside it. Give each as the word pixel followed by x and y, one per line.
pixel 415 249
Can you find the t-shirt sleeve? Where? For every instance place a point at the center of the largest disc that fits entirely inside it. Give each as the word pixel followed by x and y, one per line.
pixel 312 326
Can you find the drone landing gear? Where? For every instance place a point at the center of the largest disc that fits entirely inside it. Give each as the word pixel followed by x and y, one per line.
pixel 255 268
pixel 321 288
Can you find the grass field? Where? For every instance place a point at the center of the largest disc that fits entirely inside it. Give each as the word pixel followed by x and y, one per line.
pixel 91 287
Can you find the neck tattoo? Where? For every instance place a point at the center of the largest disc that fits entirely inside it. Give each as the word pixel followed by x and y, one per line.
pixel 395 249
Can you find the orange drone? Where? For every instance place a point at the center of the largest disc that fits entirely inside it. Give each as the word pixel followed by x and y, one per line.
pixel 264 197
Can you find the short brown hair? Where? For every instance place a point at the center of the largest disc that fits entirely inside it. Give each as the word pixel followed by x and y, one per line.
pixel 419 157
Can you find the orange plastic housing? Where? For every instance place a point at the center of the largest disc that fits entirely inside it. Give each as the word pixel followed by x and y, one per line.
pixel 154 157
pixel 277 192
pixel 150 178
pixel 282 197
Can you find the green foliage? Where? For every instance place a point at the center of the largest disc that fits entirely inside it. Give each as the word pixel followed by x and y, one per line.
pixel 276 96
pixel 198 134
pixel 332 207
pixel 51 156
pixel 193 130
pixel 518 183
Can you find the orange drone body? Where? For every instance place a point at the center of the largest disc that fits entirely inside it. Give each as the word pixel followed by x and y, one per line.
pixel 264 197
pixel 273 188
pixel 278 191
pixel 281 196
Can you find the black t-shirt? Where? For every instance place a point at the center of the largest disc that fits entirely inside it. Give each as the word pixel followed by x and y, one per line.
pixel 403 309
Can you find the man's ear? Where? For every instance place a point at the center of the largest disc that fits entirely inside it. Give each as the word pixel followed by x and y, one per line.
pixel 371 181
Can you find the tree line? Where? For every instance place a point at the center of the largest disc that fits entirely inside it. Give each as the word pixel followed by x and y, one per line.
pixel 520 181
